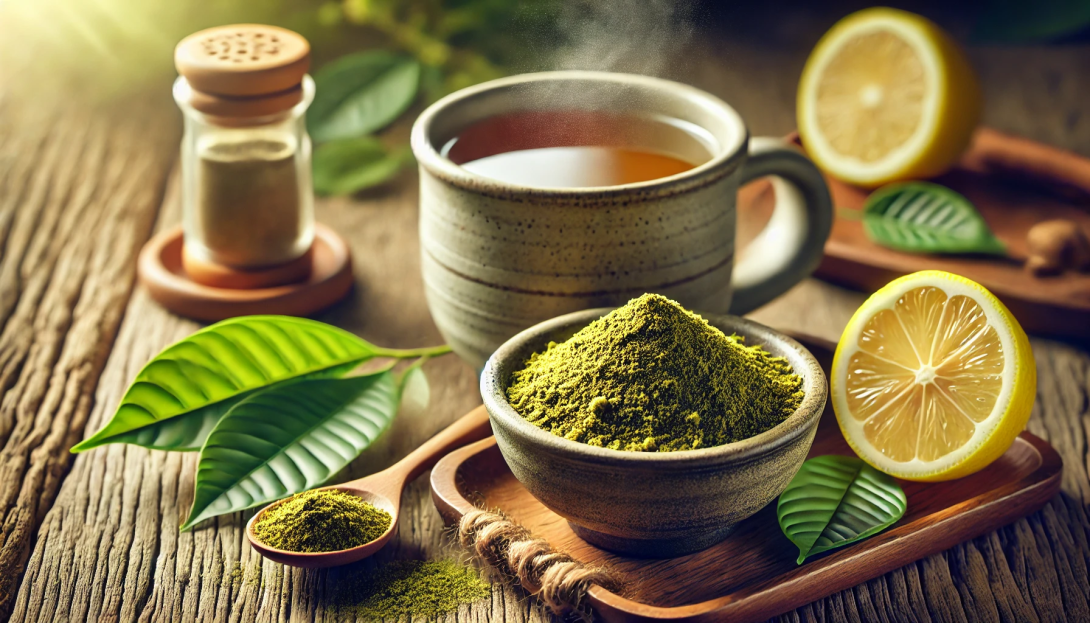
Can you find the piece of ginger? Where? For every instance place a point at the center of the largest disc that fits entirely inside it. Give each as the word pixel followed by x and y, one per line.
pixel 1056 247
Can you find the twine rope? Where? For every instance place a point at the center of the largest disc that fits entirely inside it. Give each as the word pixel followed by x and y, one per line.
pixel 560 581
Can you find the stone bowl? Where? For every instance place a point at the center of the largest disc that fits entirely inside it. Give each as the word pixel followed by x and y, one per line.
pixel 652 504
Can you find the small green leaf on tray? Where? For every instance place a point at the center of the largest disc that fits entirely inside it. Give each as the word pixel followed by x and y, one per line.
pixel 361 93
pixel 288 439
pixel 920 217
pixel 836 500
pixel 351 165
pixel 219 363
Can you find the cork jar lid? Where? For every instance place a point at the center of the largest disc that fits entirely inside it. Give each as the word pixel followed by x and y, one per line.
pixel 243 69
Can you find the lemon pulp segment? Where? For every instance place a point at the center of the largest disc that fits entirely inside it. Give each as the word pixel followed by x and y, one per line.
pixel 926 373
pixel 872 99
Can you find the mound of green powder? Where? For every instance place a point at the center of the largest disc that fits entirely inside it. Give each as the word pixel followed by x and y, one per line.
pixel 652 376
pixel 409 587
pixel 321 521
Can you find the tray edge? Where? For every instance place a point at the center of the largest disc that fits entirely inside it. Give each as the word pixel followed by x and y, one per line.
pixel 1031 492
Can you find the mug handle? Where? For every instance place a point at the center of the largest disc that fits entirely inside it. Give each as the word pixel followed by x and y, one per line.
pixel 790 246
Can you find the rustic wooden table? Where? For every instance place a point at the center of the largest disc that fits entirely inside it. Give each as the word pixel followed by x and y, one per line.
pixel 95 537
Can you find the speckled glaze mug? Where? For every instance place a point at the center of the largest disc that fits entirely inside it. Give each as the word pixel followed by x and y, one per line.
pixel 500 257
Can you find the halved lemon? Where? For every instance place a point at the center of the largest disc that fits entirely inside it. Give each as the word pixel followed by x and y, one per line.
pixel 933 378
pixel 886 95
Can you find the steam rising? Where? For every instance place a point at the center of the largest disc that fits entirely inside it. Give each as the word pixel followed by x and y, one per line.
pixel 630 36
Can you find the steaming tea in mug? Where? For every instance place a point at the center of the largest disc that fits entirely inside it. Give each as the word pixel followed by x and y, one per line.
pixel 549 193
pixel 578 149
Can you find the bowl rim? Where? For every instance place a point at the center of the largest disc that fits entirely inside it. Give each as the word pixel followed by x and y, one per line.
pixel 794 426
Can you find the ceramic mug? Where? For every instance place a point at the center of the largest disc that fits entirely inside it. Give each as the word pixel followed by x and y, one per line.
pixel 499 257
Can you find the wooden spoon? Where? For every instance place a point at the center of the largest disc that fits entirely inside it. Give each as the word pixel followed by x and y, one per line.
pixel 383 490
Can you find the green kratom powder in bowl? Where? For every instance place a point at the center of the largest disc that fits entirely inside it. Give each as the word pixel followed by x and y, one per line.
pixel 322 520
pixel 654 377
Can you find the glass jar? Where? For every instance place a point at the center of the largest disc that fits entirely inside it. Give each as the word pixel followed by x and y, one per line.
pixel 247 196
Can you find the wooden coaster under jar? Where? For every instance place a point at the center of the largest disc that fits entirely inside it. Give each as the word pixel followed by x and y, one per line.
pixel 248 233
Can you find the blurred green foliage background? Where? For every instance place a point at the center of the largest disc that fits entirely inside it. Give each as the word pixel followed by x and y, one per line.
pixel 108 48
pixel 373 60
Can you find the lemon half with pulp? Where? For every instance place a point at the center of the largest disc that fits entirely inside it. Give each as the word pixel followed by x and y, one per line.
pixel 933 378
pixel 886 95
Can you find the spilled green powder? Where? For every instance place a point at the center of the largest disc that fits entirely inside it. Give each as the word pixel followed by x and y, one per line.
pixel 652 376
pixel 323 520
pixel 409 587
pixel 234 579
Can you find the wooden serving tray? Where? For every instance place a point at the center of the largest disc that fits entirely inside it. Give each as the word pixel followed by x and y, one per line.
pixel 752 575
pixel 1014 183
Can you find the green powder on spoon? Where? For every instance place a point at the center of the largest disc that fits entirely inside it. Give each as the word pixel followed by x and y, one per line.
pixel 322 520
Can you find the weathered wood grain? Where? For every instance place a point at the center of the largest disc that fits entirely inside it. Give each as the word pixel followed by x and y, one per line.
pixel 77 197
pixel 110 547
pixel 77 200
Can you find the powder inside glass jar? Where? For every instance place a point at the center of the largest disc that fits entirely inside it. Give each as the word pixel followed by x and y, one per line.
pixel 248 204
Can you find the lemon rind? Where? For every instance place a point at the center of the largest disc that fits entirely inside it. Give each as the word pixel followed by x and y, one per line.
pixel 969 457
pixel 918 34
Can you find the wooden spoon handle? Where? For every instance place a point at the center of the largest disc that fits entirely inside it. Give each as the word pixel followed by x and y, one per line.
pixel 471 427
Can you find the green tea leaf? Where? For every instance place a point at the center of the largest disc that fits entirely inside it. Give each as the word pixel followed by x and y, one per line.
pixel 836 500
pixel 187 432
pixel 288 439
pixel 920 217
pixel 183 433
pixel 219 363
pixel 350 165
pixel 360 93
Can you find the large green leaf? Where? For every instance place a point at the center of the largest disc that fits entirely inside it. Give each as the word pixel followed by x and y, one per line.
pixel 187 432
pixel 288 439
pixel 835 500
pixel 183 433
pixel 218 363
pixel 350 165
pixel 360 93
pixel 920 217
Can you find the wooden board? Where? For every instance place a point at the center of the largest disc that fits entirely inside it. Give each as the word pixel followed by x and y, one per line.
pixel 1015 183
pixel 752 575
